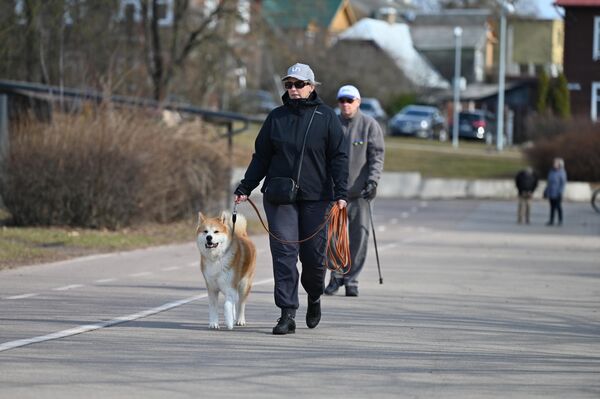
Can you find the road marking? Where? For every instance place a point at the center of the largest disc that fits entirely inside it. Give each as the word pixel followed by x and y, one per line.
pixel 118 320
pixel 141 274
pixel 105 280
pixel 193 264
pixel 22 296
pixel 387 246
pixel 168 269
pixel 68 287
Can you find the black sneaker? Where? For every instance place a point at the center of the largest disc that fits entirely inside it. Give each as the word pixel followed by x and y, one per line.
pixel 351 290
pixel 286 323
pixel 333 286
pixel 313 313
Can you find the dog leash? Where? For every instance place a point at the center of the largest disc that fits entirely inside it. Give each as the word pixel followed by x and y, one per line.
pixel 234 217
pixel 338 242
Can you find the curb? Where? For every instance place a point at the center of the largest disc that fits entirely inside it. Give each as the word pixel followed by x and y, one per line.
pixel 410 185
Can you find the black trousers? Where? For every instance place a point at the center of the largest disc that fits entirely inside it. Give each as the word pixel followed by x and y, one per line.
pixel 294 222
pixel 556 206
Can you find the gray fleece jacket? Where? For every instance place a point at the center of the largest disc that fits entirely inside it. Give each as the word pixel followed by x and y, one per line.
pixel 366 151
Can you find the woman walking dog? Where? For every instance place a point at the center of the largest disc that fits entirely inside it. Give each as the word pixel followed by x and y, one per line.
pixel 302 154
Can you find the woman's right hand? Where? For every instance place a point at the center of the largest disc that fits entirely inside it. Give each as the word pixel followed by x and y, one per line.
pixel 240 198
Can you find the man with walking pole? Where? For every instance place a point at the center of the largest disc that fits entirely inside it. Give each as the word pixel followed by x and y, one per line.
pixel 366 152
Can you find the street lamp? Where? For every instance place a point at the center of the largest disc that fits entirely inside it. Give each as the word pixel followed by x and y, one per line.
pixel 505 7
pixel 455 108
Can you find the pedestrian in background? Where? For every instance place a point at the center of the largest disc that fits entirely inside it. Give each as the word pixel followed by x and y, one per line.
pixel 366 151
pixel 526 182
pixel 555 187
pixel 323 179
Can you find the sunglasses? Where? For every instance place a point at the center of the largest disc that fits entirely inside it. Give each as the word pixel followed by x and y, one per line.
pixel 346 100
pixel 299 84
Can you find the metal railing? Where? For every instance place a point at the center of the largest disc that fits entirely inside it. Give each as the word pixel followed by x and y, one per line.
pixel 55 93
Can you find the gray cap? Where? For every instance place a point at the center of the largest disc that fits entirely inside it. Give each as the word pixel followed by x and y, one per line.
pixel 301 72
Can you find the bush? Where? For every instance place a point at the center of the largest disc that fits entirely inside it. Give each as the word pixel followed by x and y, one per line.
pixel 579 146
pixel 109 171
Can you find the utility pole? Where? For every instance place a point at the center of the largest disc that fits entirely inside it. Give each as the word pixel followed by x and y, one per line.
pixel 455 108
pixel 505 8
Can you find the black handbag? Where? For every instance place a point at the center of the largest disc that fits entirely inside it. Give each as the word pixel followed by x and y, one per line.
pixel 283 190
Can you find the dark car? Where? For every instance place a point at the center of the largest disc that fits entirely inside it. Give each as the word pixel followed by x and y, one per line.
pixel 476 125
pixel 372 107
pixel 418 121
pixel 254 102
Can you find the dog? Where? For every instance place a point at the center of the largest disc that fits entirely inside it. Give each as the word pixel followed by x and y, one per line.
pixel 228 264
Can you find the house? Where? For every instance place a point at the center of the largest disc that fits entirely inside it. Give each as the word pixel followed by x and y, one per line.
pixel 535 45
pixel 385 62
pixel 582 56
pixel 307 20
pixel 433 36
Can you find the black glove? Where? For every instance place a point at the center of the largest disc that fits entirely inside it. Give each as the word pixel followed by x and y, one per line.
pixel 370 190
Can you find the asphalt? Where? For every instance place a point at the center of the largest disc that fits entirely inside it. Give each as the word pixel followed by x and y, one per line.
pixel 472 305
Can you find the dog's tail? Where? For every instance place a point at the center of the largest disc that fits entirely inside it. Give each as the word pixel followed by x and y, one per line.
pixel 240 223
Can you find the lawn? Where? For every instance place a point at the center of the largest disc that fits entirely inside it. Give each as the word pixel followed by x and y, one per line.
pixel 471 160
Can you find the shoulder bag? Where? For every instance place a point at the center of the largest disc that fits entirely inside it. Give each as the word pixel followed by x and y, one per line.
pixel 283 190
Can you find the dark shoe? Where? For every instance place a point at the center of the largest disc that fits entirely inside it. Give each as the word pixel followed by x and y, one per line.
pixel 286 323
pixel 351 290
pixel 313 313
pixel 333 286
pixel 549 224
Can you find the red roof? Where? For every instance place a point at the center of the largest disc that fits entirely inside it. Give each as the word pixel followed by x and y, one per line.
pixel 578 3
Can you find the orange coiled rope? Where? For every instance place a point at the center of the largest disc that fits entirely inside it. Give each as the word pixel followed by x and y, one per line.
pixel 337 250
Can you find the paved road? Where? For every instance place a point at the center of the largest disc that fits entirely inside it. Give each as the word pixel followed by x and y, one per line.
pixel 473 305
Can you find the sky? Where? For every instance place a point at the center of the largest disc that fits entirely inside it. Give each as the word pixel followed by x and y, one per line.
pixel 546 9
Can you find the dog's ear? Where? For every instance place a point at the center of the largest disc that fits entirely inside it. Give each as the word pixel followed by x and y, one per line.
pixel 226 218
pixel 201 218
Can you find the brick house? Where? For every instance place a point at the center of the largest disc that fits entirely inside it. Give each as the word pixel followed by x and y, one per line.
pixel 582 55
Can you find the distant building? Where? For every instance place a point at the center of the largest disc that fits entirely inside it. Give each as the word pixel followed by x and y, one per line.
pixel 433 36
pixel 384 60
pixel 582 55
pixel 303 22
pixel 535 45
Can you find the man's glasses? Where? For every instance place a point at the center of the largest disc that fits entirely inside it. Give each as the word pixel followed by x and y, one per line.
pixel 299 84
pixel 346 100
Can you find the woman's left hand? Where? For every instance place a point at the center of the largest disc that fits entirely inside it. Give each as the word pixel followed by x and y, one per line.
pixel 341 203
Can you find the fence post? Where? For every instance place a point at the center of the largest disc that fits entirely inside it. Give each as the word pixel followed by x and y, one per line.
pixel 3 126
pixel 3 133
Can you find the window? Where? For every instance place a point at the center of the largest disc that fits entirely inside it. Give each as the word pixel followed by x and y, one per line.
pixel 595 102
pixel 131 10
pixel 596 52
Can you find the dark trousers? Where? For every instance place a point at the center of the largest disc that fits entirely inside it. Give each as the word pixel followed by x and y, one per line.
pixel 556 207
pixel 294 222
pixel 358 231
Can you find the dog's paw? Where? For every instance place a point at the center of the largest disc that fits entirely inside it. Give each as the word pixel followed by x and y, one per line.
pixel 240 323
pixel 213 326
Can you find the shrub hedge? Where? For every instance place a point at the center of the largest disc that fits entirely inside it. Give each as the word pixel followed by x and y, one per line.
pixel 110 170
pixel 578 145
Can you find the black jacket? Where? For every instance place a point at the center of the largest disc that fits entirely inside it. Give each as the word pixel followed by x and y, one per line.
pixel 324 173
pixel 526 182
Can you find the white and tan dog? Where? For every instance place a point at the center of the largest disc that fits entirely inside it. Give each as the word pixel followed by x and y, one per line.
pixel 228 264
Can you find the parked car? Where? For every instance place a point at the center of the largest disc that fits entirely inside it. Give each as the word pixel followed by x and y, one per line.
pixel 419 121
pixel 259 102
pixel 372 107
pixel 476 125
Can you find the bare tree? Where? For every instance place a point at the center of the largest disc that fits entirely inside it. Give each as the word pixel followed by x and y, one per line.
pixel 168 50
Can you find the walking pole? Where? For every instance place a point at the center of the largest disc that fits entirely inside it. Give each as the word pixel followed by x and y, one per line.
pixel 375 241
